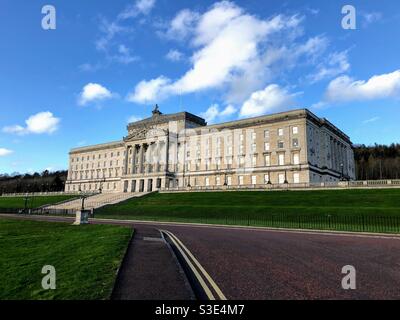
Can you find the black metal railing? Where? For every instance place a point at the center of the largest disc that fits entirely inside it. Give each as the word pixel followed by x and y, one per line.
pixel 342 222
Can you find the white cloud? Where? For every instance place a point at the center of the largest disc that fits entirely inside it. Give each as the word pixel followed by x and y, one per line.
pixel 182 24
pixel 374 119
pixel 139 7
pixel 134 119
pixel 174 55
pixel 124 55
pixel 42 122
pixel 149 91
pixel 228 43
pixel 5 152
pixel 382 86
pixel 335 64
pixel 371 17
pixel 93 92
pixel 228 111
pixel 213 113
pixel 271 98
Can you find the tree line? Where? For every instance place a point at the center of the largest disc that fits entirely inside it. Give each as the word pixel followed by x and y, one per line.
pixel 377 162
pixel 36 182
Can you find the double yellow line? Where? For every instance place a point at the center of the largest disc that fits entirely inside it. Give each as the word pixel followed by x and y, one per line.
pixel 199 272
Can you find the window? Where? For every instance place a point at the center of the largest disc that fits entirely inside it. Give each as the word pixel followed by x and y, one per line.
pixel 295 130
pixel 296 158
pixel 295 143
pixel 267 160
pixel 241 138
pixel 281 145
pixel 296 177
pixel 241 180
pixel 218 181
pixel 241 149
pixel 218 163
pixel 241 162
pixel 281 178
pixel 266 134
pixel 253 180
pixel 280 132
pixel 207 182
pixel 229 181
pixel 253 148
pixel 266 178
pixel 281 159
pixel 254 136
pixel 266 146
pixel 254 161
pixel 230 151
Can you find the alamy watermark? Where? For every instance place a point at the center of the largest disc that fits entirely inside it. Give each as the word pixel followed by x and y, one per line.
pixel 49 280
pixel 349 280
pixel 349 21
pixel 49 21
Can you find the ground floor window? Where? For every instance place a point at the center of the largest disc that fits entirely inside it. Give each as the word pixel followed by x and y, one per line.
pixel 229 181
pixel 281 178
pixel 296 177
pixel 218 181
pixel 253 180
pixel 207 182
pixel 241 180
pixel 266 178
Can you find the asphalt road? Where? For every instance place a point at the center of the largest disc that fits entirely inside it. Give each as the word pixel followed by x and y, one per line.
pixel 249 264
pixel 266 264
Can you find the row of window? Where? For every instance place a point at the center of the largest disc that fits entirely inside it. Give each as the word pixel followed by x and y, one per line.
pixel 99 165
pixel 229 150
pixel 93 187
pixel 93 157
pixel 282 179
pixel 242 162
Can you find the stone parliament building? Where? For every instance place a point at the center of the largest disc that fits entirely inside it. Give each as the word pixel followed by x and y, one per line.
pixel 180 151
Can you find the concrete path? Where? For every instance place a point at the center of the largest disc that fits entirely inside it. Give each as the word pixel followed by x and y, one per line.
pixel 150 271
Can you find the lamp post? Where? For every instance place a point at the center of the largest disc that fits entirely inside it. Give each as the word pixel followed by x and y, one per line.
pixel 286 181
pixel 83 197
pixel 26 202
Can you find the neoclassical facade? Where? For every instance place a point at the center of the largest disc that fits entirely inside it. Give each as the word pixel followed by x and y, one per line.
pixel 169 151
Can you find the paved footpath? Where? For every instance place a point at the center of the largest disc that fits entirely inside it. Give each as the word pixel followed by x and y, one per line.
pixel 150 271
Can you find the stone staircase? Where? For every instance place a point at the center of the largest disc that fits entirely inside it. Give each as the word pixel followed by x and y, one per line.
pixel 95 201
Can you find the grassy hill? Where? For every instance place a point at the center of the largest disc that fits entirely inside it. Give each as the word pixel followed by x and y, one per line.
pixel 85 269
pixel 33 202
pixel 362 210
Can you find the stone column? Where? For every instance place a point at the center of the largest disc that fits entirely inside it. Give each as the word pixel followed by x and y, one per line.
pixel 167 152
pixel 126 159
pixel 141 158
pixel 134 154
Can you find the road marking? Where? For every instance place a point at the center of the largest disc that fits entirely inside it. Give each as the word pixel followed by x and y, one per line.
pixel 217 290
pixel 194 270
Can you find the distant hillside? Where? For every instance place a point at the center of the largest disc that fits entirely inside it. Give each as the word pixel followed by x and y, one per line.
pixel 37 182
pixel 377 162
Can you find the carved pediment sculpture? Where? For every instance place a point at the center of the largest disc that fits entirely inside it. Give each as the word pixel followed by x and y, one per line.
pixel 146 132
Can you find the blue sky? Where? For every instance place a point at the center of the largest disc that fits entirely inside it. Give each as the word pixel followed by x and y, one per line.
pixel 108 62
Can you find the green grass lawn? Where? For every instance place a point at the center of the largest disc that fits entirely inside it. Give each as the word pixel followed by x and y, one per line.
pixel 33 202
pixel 352 210
pixel 86 259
